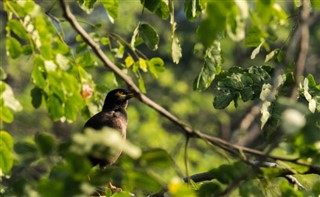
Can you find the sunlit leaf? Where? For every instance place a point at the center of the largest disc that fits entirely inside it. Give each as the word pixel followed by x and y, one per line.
pixel 176 50
pixel 213 61
pixel 14 48
pixel 156 65
pixel 129 61
pixel 72 106
pixel 38 72
pixel 9 99
pixel 112 8
pixel 5 115
pixel 271 55
pixel 17 28
pixel 192 9
pixel 105 41
pixel 236 20
pixel 6 149
pixel 141 85
pixel 254 36
pixel 256 51
pixel 3 76
pixel 143 64
pixel 214 22
pixel 176 189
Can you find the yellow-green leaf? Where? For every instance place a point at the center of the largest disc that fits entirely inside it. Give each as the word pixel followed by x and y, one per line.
pixel 143 64
pixel 6 148
pixel 129 61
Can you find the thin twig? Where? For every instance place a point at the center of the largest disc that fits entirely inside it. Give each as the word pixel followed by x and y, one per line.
pixel 190 132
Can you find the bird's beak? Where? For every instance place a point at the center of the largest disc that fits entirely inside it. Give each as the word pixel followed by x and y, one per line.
pixel 130 95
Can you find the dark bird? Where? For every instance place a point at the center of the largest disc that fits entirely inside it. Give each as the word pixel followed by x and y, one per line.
pixel 113 115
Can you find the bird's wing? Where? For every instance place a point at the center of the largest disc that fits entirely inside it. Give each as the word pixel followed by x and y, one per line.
pixel 116 119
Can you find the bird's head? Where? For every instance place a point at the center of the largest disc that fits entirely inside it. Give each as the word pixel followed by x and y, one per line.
pixel 117 98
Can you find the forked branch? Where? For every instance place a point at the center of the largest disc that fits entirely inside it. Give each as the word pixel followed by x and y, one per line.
pixel 187 130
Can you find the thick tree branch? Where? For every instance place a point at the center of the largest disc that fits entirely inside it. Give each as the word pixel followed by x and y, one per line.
pixel 147 101
pixel 304 46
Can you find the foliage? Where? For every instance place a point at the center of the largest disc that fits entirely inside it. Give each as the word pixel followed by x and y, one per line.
pixel 243 48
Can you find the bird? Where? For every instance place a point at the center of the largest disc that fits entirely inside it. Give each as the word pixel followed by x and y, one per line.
pixel 113 115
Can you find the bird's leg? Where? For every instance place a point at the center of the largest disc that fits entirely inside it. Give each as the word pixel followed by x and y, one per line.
pixel 114 188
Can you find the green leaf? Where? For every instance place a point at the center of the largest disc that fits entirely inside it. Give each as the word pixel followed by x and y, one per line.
pixel 221 101
pixel 17 28
pixel 55 107
pixel 316 188
pixel 46 51
pixel 149 36
pixel 112 8
pixel 254 36
pixel 311 81
pixel 215 22
pixel 3 75
pixel 209 189
pixel 141 85
pixel 27 152
pixel 142 179
pixel 179 189
pixel 13 47
pixel 157 158
pixel 176 50
pixel 159 7
pixel 246 94
pixel 213 60
pixel 85 60
pixel 143 64
pixel 36 95
pixel 27 50
pixel 205 77
pixel 288 190
pixel 156 65
pixel 271 55
pixel 105 41
pixel 87 5
pixel 236 20
pixel 192 9
pixel 129 61
pixel 265 114
pixel 6 149
pixel 38 71
pixel 72 106
pixel 46 143
pixel 6 115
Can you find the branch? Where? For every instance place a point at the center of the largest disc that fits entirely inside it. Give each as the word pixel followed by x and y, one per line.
pixel 188 131
pixel 304 46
